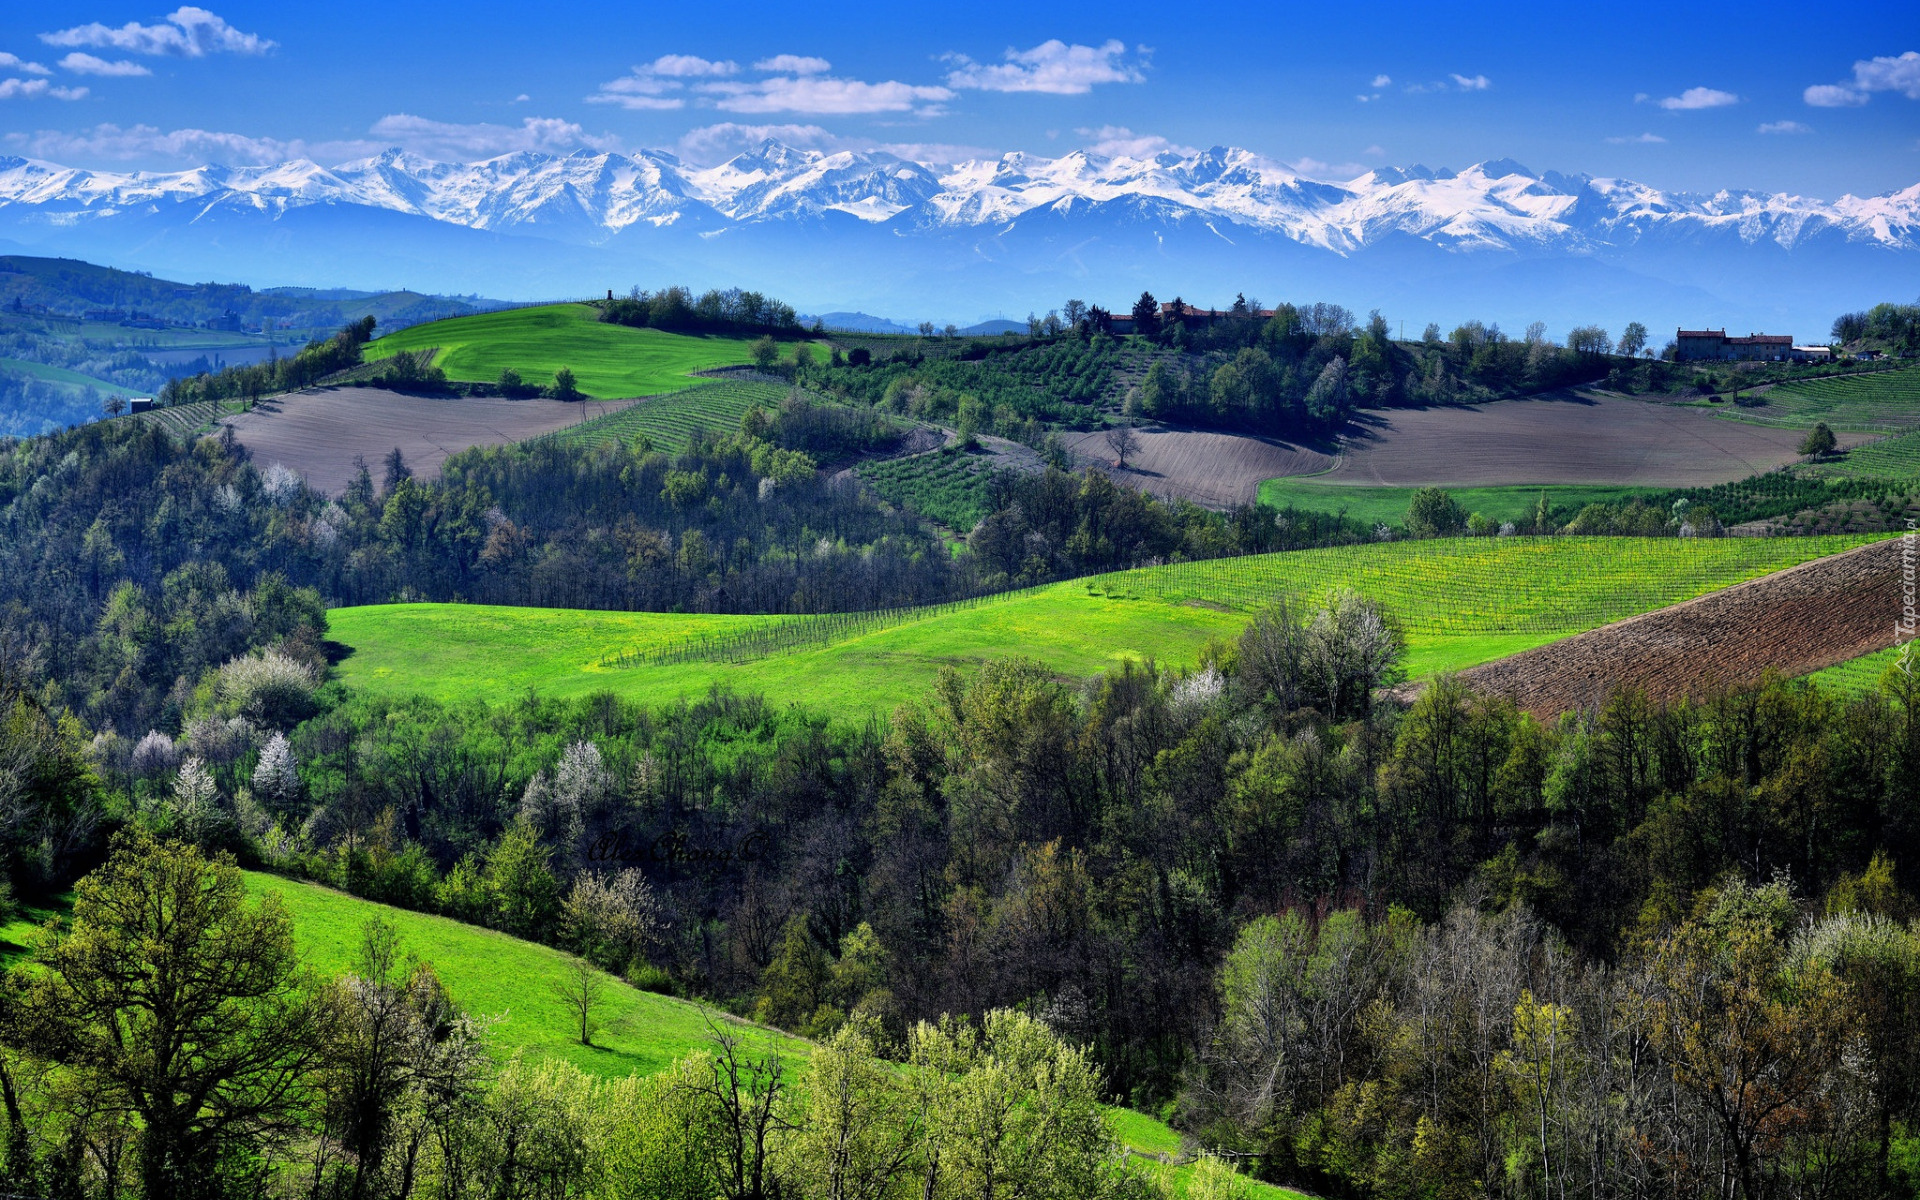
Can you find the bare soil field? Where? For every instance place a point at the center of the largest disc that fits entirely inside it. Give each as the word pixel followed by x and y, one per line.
pixel 1563 438
pixel 318 432
pixel 1793 622
pixel 1219 470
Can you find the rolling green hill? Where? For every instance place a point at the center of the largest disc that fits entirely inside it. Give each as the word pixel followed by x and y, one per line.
pixel 60 375
pixel 1462 602
pixel 492 974
pixel 608 360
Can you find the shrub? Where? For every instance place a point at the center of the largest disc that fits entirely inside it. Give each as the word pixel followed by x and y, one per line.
pixel 272 688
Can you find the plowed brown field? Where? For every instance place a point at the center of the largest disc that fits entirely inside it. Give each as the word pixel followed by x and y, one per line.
pixel 318 432
pixel 1215 469
pixel 1792 622
pixel 1559 438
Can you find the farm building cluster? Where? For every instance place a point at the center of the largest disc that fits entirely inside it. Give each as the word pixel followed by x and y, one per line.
pixel 1713 345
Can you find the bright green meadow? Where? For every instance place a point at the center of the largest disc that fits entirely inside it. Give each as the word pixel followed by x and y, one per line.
pixel 1374 505
pixel 609 361
pixel 1461 601
pixel 493 975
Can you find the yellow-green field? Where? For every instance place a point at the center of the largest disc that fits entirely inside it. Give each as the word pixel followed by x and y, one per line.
pixel 1462 602
pixel 608 361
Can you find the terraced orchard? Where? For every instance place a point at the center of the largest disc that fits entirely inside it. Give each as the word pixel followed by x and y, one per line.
pixel 949 485
pixel 669 421
pixel 1462 602
pixel 186 420
pixel 1881 400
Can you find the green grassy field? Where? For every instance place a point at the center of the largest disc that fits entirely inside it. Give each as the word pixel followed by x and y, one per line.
pixel 669 421
pixel 1880 400
pixel 948 485
pixel 608 360
pixel 1389 504
pixel 492 974
pixel 60 375
pixel 1462 602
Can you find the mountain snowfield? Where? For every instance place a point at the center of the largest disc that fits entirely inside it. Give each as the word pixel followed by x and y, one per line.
pixel 868 229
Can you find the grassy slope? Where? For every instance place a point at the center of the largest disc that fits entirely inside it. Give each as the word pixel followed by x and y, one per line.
pixel 608 360
pixel 1879 400
pixel 490 973
pixel 1463 603
pixel 1376 504
pixel 60 375
pixel 1896 457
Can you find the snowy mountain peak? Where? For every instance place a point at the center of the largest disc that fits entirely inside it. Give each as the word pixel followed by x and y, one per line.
pixel 590 196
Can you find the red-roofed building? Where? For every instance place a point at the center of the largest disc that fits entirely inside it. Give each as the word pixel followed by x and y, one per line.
pixel 1697 345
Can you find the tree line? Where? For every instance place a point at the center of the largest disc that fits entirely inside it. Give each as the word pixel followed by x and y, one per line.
pixel 717 310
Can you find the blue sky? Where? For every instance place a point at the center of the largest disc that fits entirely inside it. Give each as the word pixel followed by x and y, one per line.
pixel 1766 96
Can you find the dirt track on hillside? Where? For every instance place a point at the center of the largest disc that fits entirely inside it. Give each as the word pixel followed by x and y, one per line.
pixel 1562 437
pixel 1791 622
pixel 319 431
pixel 1219 470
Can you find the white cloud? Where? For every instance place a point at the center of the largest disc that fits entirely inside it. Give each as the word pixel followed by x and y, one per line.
pixel 1053 67
pixel 689 66
pixel 1472 83
pixel 821 94
pixel 522 98
pixel 716 143
pixel 1889 74
pixel 1886 73
pixel 1833 95
pixel 656 85
pixel 1380 81
pixel 87 64
pixel 1374 152
pixel 1784 127
pixel 14 62
pixel 189 33
pixel 445 139
pixel 794 64
pixel 1117 141
pixel 33 89
pixel 146 141
pixel 1644 139
pixel 1699 97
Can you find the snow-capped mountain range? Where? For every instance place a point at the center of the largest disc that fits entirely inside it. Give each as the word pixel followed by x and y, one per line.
pixel 814 225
